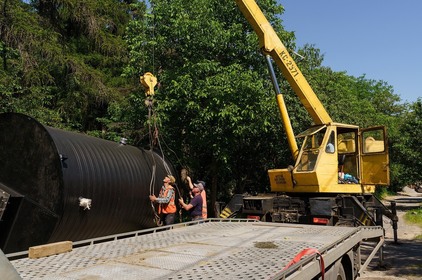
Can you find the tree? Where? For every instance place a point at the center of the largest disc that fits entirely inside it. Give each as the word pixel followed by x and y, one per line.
pixel 65 59
pixel 407 147
pixel 76 65
pixel 215 102
pixel 26 50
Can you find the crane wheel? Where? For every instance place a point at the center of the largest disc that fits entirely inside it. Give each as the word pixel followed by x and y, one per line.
pixel 341 274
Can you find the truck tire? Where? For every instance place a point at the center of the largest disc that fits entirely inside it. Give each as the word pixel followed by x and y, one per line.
pixel 341 274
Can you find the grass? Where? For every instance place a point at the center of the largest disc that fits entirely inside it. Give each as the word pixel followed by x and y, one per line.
pixel 383 192
pixel 414 217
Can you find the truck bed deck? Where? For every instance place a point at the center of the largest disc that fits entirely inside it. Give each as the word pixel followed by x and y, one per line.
pixel 212 249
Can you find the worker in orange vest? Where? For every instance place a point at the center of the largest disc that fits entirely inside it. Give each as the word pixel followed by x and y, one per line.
pixel 201 186
pixel 166 205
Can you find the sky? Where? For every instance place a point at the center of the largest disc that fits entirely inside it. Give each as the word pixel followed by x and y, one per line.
pixel 381 39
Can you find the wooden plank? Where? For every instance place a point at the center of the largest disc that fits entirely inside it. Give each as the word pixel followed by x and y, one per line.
pixel 50 249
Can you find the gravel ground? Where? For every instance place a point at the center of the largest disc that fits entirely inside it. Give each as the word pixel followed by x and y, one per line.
pixel 402 260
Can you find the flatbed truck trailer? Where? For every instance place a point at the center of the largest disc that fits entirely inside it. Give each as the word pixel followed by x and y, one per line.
pixel 213 249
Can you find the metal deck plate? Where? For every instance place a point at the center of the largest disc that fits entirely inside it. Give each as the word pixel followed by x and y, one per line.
pixel 212 250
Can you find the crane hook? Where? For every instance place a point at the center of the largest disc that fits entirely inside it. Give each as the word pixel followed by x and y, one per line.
pixel 149 81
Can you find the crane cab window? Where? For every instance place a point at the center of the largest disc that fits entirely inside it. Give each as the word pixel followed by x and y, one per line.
pixel 330 148
pixel 346 142
pixel 310 148
pixel 347 154
pixel 373 141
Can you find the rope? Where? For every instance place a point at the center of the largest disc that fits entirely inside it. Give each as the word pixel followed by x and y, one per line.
pixel 306 252
pixel 153 134
pixel 154 138
pixel 167 168
pixel 157 218
pixel 154 166
pixel 153 35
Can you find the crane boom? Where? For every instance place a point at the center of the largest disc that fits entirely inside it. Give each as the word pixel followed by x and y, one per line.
pixel 338 166
pixel 271 44
pixel 329 149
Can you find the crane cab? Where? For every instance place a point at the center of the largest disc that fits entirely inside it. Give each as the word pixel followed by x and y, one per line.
pixel 336 158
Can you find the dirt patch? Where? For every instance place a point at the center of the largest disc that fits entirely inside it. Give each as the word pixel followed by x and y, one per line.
pixel 402 259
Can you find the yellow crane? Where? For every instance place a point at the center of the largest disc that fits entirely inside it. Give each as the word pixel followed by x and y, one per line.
pixel 338 165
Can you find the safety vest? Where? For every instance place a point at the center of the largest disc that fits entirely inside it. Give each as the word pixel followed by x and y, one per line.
pixel 170 207
pixel 204 204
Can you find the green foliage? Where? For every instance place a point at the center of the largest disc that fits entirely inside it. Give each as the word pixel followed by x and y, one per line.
pixel 62 60
pixel 414 216
pixel 383 192
pixel 214 102
pixel 407 146
pixel 76 65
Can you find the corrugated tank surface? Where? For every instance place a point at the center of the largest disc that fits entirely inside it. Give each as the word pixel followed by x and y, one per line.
pixel 46 171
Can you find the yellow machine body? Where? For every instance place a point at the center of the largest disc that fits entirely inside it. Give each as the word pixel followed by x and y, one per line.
pixel 360 155
pixel 357 159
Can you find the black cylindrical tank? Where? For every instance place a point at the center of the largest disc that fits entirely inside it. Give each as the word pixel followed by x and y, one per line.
pixel 44 172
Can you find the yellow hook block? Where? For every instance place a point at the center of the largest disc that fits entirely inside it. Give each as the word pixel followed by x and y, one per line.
pixel 149 81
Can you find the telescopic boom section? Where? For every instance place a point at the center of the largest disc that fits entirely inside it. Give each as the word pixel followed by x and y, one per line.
pixel 271 44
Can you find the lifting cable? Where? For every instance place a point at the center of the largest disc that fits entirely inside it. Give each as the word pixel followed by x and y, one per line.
pixel 156 136
pixel 149 81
